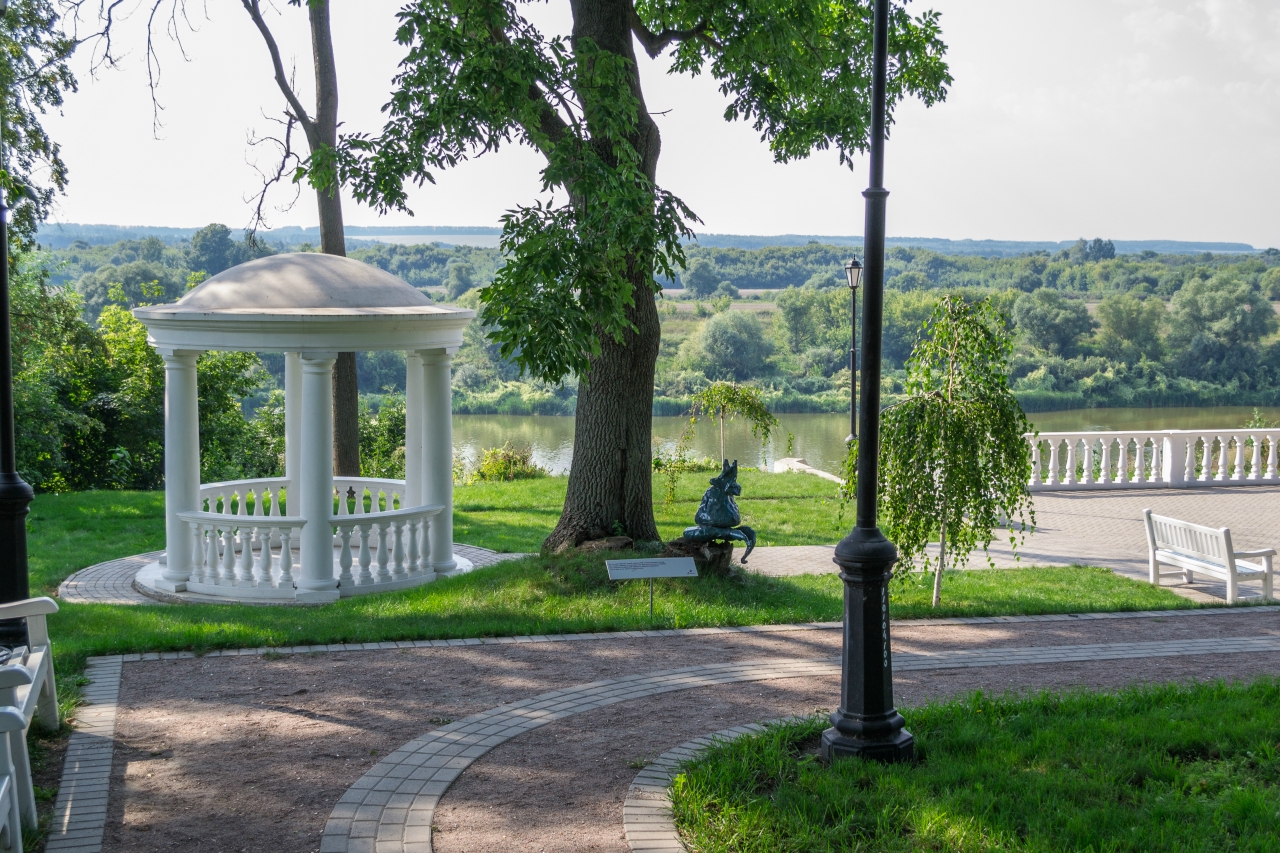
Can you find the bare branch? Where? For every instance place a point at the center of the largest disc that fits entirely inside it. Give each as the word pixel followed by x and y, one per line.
pixel 289 161
pixel 299 111
pixel 654 43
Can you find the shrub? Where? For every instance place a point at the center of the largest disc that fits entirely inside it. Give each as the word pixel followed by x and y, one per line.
pixel 507 462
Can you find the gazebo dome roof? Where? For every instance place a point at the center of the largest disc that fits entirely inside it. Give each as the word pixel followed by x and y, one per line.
pixel 302 281
pixel 305 302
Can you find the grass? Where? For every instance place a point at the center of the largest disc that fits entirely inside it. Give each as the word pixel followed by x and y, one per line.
pixel 1170 768
pixel 536 595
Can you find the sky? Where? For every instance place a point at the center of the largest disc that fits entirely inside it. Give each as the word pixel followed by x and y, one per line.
pixel 1122 119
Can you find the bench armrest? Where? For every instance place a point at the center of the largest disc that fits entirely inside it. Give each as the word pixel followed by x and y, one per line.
pixel 42 606
pixel 1265 552
pixel 14 675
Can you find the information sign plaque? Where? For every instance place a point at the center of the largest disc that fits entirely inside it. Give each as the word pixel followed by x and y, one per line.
pixel 658 567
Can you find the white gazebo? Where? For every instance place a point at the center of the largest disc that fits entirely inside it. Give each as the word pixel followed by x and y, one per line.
pixel 234 539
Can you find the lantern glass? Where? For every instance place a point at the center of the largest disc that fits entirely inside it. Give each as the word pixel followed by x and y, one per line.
pixel 853 270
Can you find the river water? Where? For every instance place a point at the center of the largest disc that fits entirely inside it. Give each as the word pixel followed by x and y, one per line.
pixel 819 439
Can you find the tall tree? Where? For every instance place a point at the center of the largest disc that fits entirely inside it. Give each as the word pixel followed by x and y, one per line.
pixel 34 75
pixel 577 293
pixel 320 127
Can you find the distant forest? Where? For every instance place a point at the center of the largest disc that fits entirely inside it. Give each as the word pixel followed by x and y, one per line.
pixel 793 302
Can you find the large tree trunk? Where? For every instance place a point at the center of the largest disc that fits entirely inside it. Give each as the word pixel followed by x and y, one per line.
pixel 333 241
pixel 611 480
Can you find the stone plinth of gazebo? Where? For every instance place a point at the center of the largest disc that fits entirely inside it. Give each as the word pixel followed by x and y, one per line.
pixel 307 536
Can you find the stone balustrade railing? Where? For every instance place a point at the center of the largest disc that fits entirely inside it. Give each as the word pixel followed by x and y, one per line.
pixel 382 495
pixel 387 549
pixel 255 554
pixel 1152 459
pixel 235 496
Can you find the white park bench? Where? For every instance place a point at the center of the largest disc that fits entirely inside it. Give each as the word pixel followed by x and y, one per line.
pixel 1203 550
pixel 27 685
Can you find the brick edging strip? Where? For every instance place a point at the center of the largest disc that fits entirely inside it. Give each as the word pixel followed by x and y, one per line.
pixel 647 822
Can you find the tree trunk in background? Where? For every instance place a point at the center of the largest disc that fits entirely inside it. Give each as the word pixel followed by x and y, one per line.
pixel 333 240
pixel 611 480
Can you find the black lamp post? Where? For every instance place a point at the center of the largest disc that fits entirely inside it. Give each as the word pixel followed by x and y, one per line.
pixel 15 495
pixel 853 270
pixel 866 723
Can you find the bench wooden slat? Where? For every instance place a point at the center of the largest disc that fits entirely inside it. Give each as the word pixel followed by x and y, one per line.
pixel 1207 550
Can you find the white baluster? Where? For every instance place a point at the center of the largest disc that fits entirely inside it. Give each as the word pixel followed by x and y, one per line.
pixel 228 557
pixel 1035 462
pixel 359 490
pixel 197 551
pixel 1106 461
pixel 1204 460
pixel 263 568
pixel 365 557
pixel 1053 461
pixel 1238 473
pixel 246 555
pixel 415 566
pixel 1222 458
pixel 1088 461
pixel 276 509
pixel 211 556
pixel 243 507
pixel 343 497
pixel 1255 458
pixel 398 569
pixel 1071 461
pixel 345 580
pixel 1157 459
pixel 1271 457
pixel 1139 467
pixel 1122 463
pixel 384 552
pixel 286 558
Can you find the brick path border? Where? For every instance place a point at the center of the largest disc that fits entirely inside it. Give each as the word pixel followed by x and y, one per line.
pixel 646 813
pixel 80 810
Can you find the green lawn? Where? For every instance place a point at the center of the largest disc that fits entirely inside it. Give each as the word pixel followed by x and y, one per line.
pixel 532 596
pixel 1172 768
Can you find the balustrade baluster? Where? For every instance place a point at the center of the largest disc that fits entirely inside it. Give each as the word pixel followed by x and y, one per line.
pixel 212 558
pixel 1222 459
pixel 1070 477
pixel 197 551
pixel 359 500
pixel 1106 462
pixel 1238 472
pixel 1157 459
pixel 1139 466
pixel 286 558
pixel 246 555
pixel 398 569
pixel 1088 461
pixel 342 501
pixel 228 557
pixel 415 567
pixel 1053 461
pixel 384 552
pixel 345 579
pixel 263 568
pixel 1271 457
pixel 365 557
pixel 1192 476
pixel 1122 463
pixel 1035 461
pixel 1255 460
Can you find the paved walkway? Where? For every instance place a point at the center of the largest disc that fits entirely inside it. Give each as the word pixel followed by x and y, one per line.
pixel 393 806
pixel 112 582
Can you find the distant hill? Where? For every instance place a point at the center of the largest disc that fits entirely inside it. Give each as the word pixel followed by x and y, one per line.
pixel 58 236
pixel 983 248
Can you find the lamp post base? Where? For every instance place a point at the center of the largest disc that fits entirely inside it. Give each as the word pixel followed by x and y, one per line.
pixel 898 747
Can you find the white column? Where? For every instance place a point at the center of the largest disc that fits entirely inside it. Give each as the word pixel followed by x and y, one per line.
pixel 181 463
pixel 413 420
pixel 314 487
pixel 292 414
pixel 437 454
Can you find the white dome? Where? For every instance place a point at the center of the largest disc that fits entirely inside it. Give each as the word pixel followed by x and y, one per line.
pixel 302 281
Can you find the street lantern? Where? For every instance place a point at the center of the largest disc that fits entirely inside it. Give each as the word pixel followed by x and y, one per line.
pixel 15 495
pixel 866 724
pixel 853 271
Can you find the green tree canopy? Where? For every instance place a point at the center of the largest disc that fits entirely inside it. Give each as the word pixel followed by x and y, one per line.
pixel 953 457
pixel 1050 321
pixel 1131 327
pixel 731 345
pixel 700 278
pixel 1225 308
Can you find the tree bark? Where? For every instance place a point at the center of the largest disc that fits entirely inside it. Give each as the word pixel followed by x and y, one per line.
pixel 333 241
pixel 611 480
